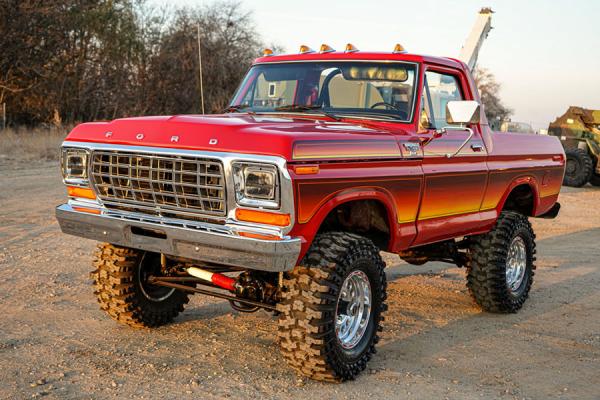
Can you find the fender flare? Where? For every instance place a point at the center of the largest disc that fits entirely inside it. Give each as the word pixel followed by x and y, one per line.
pixel 310 228
pixel 519 181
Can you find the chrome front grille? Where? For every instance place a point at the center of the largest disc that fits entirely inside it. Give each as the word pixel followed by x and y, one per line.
pixel 166 185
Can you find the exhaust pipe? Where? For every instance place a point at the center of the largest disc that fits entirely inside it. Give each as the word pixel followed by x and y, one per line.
pixel 220 280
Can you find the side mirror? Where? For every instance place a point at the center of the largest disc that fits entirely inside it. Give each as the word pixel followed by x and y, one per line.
pixel 463 112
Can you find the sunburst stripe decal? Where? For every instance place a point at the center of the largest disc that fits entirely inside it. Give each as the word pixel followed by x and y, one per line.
pixel 317 149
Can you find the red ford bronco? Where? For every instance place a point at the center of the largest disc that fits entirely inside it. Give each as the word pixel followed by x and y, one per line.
pixel 284 202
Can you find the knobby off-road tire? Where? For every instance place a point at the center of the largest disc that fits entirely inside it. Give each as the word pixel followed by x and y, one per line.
pixel 310 305
pixel 579 169
pixel 118 276
pixel 491 255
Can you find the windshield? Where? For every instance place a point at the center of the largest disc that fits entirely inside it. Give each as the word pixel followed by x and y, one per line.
pixel 369 89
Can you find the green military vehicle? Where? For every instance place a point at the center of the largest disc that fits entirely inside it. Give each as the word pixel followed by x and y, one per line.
pixel 579 132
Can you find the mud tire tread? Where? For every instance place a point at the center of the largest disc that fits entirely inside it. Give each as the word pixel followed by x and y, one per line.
pixel 115 289
pixel 486 264
pixel 306 332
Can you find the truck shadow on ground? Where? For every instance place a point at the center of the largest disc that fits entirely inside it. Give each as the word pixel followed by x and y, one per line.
pixel 432 313
pixel 556 247
pixel 430 333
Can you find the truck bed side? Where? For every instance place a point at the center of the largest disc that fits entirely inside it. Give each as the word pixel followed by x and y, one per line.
pixel 520 159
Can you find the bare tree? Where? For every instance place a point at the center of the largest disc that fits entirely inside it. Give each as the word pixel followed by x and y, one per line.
pixel 489 90
pixel 229 45
pixel 75 60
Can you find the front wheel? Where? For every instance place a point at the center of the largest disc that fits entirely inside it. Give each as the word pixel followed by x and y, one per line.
pixel 500 264
pixel 331 308
pixel 121 287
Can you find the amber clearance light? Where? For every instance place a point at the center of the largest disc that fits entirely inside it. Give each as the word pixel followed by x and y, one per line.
pixel 306 169
pixel 398 48
pixel 82 193
pixel 305 49
pixel 262 217
pixel 350 48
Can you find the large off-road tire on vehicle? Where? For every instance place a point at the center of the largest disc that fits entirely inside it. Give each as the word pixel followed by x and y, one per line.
pixel 579 168
pixel 120 285
pixel 500 264
pixel 332 307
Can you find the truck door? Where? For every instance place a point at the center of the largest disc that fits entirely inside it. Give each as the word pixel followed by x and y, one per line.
pixel 454 183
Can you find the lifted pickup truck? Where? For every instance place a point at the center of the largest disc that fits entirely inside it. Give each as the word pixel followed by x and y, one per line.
pixel 284 202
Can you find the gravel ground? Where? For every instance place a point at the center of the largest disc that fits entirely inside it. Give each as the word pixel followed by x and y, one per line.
pixel 56 343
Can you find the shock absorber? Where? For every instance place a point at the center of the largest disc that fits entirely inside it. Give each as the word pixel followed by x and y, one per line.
pixel 240 287
pixel 245 286
pixel 220 280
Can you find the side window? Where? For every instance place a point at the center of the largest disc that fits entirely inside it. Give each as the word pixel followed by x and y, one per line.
pixel 425 118
pixel 440 89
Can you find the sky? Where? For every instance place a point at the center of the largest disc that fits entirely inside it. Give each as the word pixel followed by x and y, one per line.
pixel 545 53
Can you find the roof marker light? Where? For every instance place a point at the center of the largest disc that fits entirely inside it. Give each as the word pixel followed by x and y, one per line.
pixel 267 52
pixel 325 48
pixel 350 48
pixel 305 49
pixel 399 49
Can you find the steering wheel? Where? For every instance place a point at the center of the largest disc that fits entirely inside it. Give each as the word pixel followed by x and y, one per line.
pixel 386 105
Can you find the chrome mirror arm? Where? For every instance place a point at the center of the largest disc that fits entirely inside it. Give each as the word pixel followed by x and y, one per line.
pixel 459 128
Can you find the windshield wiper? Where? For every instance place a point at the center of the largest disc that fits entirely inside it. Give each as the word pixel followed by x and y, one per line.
pixel 236 108
pixel 307 108
pixel 358 114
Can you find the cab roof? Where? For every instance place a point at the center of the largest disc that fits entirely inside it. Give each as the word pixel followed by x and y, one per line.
pixel 357 55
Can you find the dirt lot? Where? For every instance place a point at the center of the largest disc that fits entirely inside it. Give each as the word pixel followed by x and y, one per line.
pixel 55 342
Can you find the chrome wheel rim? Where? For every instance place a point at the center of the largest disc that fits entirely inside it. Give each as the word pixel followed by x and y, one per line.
pixel 353 309
pixel 516 264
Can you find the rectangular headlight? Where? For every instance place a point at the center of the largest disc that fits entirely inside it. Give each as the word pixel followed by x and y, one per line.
pixel 256 185
pixel 74 166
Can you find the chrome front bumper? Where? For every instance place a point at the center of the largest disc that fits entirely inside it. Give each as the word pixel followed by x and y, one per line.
pixel 224 247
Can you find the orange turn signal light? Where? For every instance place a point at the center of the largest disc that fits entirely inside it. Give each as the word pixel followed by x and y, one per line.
pixel 262 217
pixel 82 193
pixel 306 169
pixel 267 52
pixel 87 210
pixel 259 236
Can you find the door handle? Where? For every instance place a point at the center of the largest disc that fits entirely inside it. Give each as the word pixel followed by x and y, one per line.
pixel 477 148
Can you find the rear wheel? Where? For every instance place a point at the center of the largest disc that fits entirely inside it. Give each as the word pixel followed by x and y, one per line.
pixel 579 169
pixel 331 308
pixel 121 287
pixel 500 264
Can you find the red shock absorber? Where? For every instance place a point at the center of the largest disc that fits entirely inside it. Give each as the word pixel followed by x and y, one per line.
pixel 220 280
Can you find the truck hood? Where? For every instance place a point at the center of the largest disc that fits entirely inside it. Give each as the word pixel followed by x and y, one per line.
pixel 293 138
